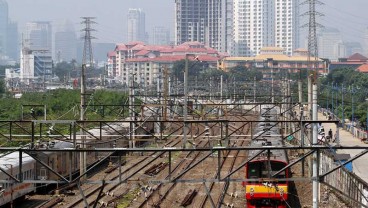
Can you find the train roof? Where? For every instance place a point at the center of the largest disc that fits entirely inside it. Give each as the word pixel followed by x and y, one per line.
pixel 55 145
pixel 279 155
pixel 268 134
pixel 12 160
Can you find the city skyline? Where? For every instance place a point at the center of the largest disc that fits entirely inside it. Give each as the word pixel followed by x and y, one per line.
pixel 340 14
pixel 111 20
pixel 349 22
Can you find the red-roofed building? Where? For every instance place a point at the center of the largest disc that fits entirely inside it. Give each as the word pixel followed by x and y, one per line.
pixel 353 62
pixel 146 61
pixel 363 68
pixel 111 63
pixel 357 57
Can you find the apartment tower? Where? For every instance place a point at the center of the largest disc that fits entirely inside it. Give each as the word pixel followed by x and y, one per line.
pixel 264 23
pixel 38 36
pixel 206 21
pixel 136 25
pixel 3 26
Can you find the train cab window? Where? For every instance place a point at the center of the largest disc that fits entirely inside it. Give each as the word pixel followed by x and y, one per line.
pixel 254 170
pixel 264 170
pixel 276 166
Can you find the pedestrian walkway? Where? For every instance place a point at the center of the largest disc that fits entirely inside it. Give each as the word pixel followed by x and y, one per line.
pixel 360 165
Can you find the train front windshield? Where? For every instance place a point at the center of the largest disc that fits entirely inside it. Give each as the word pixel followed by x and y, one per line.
pixel 265 169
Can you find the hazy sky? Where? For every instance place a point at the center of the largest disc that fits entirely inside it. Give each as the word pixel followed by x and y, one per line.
pixel 349 16
pixel 111 14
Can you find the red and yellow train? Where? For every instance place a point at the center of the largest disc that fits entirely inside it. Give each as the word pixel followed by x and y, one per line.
pixel 266 185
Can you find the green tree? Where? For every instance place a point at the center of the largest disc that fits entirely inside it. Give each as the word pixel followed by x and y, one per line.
pixel 2 86
pixel 63 69
pixel 195 68
pixel 243 73
pixel 355 89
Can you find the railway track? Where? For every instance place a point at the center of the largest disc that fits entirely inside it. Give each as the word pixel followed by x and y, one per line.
pixel 224 186
pixel 138 166
pixel 109 194
pixel 165 191
pixel 161 192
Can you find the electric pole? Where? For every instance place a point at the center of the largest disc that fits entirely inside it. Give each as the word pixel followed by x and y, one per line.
pixel 166 91
pixel 87 60
pixel 185 110
pixel 312 88
pixel 87 50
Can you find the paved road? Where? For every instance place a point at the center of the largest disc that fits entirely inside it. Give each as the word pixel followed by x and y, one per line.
pixel 360 166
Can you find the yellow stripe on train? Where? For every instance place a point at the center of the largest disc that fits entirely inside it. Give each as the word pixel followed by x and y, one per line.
pixel 265 189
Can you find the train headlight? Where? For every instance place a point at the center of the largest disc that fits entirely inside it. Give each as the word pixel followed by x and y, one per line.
pixel 281 191
pixel 252 191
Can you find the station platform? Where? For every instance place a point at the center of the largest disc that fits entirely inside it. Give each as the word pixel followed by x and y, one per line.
pixel 347 139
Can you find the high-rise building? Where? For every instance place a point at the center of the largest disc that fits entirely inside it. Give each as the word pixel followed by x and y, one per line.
pixel 287 26
pixel 330 44
pixel 3 26
pixel 206 21
pixel 66 43
pixel 136 25
pixel 9 42
pixel 263 23
pixel 13 41
pixel 161 36
pixel 352 48
pixel 366 42
pixel 38 36
pixel 36 57
pixel 254 25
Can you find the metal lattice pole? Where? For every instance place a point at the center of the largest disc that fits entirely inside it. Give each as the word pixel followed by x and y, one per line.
pixel 87 60
pixel 87 50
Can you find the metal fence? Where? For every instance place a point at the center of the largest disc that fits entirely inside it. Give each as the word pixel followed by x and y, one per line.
pixel 348 186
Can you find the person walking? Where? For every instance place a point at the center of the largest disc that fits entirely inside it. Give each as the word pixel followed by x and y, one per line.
pixel 330 134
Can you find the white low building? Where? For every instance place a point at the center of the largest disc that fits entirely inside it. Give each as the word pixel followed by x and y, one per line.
pixel 35 64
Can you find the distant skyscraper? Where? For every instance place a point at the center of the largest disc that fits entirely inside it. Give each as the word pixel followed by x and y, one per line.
pixel 287 30
pixel 36 57
pixel 13 41
pixel 38 36
pixel 207 21
pixel 161 36
pixel 3 26
pixel 136 25
pixel 352 48
pixel 66 44
pixel 330 44
pixel 265 23
pixel 366 42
